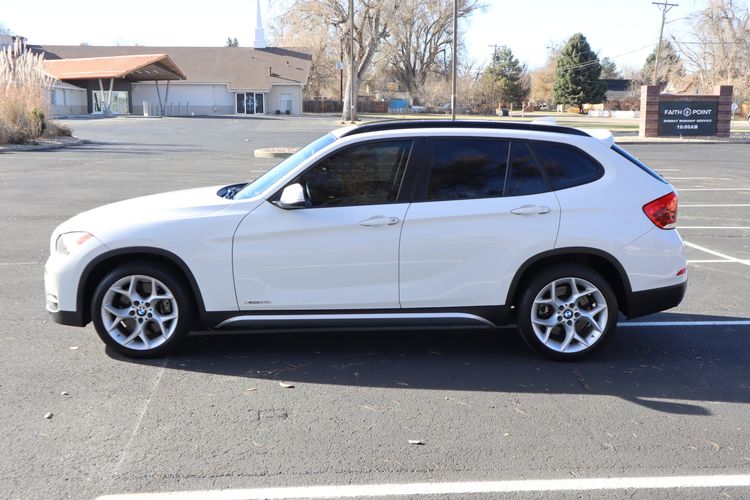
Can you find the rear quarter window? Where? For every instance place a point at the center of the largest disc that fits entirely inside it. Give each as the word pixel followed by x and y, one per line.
pixel 638 163
pixel 566 166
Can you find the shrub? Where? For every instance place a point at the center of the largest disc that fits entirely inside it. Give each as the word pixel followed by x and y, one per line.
pixel 24 95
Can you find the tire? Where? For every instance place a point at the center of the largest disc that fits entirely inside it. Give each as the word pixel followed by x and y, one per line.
pixel 134 319
pixel 550 326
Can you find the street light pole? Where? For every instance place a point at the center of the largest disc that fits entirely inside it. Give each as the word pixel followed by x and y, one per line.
pixel 455 48
pixel 665 7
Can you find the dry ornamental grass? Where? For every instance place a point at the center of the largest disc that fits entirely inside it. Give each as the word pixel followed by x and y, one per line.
pixel 24 97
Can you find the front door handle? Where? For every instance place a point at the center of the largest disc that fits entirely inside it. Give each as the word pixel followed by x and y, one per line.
pixel 530 210
pixel 379 220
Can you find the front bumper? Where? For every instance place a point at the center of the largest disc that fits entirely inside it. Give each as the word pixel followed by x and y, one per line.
pixel 68 318
pixel 62 276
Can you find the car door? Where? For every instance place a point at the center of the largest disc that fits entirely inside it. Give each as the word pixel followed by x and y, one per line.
pixel 338 251
pixel 481 209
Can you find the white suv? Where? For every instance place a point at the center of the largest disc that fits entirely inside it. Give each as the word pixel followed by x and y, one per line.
pixel 411 223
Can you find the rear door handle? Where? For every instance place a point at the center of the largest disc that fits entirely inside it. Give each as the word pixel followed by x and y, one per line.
pixel 379 220
pixel 530 210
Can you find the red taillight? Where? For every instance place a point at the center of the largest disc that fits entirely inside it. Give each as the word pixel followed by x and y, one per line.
pixel 663 211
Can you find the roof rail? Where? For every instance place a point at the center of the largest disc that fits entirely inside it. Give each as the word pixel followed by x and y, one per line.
pixel 378 126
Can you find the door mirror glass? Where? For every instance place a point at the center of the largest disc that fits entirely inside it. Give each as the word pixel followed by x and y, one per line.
pixel 293 196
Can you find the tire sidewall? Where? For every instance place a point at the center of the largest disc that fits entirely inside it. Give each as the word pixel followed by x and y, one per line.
pixel 542 279
pixel 176 286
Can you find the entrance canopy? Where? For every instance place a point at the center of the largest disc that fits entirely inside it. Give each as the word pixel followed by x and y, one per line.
pixel 136 68
pixel 133 68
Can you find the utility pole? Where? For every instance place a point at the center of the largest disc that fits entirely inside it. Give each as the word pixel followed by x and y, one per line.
pixel 352 97
pixel 494 69
pixel 665 7
pixel 455 49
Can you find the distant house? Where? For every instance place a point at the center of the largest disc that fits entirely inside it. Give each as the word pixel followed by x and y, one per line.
pixel 617 89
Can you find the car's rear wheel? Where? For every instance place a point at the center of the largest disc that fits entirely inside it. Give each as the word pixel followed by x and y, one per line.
pixel 567 312
pixel 141 311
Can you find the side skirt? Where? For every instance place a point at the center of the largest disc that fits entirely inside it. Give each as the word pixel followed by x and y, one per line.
pixel 487 317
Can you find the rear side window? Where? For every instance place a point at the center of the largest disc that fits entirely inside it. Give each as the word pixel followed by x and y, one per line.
pixel 467 168
pixel 566 166
pixel 524 176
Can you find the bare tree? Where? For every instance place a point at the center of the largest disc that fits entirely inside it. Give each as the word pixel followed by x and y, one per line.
pixel 543 78
pixel 330 20
pixel 313 33
pixel 421 43
pixel 716 47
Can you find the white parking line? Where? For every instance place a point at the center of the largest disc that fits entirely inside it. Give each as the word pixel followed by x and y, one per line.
pixel 683 205
pixel 713 227
pixel 641 324
pixel 456 488
pixel 715 189
pixel 700 178
pixel 715 253
pixel 717 261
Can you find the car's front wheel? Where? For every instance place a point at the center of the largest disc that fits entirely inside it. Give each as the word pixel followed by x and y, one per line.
pixel 141 311
pixel 567 312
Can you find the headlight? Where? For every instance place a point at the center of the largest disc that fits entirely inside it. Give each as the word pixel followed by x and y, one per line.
pixel 68 242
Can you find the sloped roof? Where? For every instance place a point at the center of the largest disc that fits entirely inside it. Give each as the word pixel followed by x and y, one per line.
pixel 144 67
pixel 241 68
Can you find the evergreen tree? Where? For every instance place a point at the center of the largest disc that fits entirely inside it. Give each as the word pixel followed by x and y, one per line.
pixel 610 71
pixel 670 66
pixel 577 74
pixel 507 78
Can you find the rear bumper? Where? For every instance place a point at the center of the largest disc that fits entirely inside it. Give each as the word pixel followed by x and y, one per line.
pixel 655 300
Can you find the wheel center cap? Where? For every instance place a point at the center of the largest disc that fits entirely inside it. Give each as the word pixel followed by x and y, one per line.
pixel 141 311
pixel 568 314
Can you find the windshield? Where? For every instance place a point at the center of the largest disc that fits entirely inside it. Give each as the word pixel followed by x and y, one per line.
pixel 269 178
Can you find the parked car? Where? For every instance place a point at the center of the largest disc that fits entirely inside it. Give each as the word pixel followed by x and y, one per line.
pixel 409 223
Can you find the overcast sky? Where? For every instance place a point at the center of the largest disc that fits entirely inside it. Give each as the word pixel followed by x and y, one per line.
pixel 625 30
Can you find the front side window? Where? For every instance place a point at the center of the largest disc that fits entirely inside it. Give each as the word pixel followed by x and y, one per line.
pixel 363 174
pixel 467 169
pixel 566 166
pixel 276 173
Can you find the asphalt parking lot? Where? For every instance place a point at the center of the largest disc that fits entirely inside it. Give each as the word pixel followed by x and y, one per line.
pixel 670 396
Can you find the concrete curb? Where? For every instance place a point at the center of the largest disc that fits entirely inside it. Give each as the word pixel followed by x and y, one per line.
pixel 41 147
pixel 275 152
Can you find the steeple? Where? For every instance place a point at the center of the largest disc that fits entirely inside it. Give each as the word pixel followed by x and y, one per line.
pixel 260 36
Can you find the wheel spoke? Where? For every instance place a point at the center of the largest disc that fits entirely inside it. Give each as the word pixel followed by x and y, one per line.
pixel 118 313
pixel 547 332
pixel 580 339
pixel 144 339
pixel 591 320
pixel 160 323
pixel 570 332
pixel 131 289
pixel 137 330
pixel 551 321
